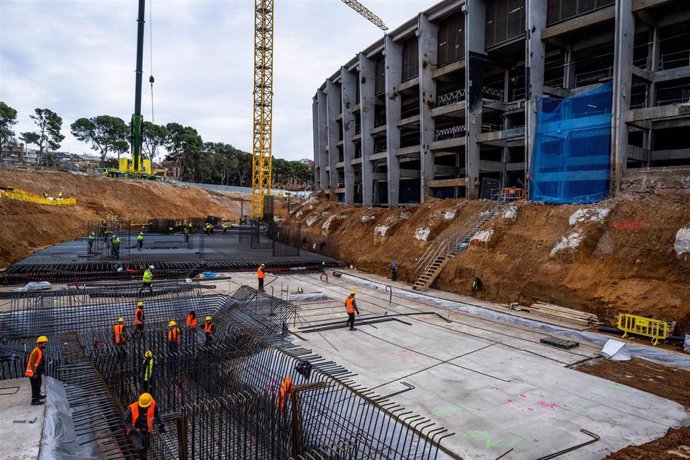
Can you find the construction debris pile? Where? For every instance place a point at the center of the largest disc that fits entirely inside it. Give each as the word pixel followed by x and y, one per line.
pixel 244 393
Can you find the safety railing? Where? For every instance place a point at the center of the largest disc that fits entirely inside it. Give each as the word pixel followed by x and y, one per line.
pixel 654 328
pixel 21 195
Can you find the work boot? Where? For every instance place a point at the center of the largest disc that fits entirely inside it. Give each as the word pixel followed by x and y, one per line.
pixel 37 403
pixel 42 397
pixel 353 329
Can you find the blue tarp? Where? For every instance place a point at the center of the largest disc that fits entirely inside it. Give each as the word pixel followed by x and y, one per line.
pixel 571 161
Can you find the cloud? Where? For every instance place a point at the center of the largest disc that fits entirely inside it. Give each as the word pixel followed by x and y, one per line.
pixel 77 57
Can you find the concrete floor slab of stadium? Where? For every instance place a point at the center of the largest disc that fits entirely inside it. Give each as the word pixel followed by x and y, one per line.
pixel 494 385
pixel 21 424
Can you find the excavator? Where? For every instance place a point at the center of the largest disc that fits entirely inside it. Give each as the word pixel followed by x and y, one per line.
pixel 263 103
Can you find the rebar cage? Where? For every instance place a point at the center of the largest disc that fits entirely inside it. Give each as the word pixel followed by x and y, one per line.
pixel 219 396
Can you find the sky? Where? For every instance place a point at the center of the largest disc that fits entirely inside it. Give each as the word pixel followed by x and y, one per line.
pixel 77 58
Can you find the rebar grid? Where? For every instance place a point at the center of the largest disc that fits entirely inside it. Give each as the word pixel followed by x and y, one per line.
pixel 222 395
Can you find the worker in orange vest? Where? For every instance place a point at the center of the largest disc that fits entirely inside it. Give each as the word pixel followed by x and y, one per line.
pixel 209 329
pixel 192 322
pixel 284 394
pixel 260 275
pixel 34 370
pixel 120 336
pixel 351 308
pixel 139 419
pixel 139 317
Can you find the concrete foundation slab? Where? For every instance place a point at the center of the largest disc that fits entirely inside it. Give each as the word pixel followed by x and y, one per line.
pixel 21 424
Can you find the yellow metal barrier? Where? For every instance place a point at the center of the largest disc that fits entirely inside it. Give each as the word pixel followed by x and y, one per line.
pixel 654 328
pixel 21 195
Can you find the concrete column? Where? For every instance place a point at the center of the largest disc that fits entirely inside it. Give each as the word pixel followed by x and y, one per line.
pixel 367 103
pixel 333 108
pixel 569 69
pixel 653 58
pixel 348 82
pixel 323 139
pixel 475 25
pixel 535 53
pixel 393 52
pixel 427 34
pixel 622 82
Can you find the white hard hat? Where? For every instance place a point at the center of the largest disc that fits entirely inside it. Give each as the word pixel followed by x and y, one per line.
pixel 151 267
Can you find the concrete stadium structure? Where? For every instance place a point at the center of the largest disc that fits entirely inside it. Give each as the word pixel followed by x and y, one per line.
pixel 445 105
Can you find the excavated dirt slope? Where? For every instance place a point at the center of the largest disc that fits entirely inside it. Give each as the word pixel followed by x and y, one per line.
pixel 25 227
pixel 615 256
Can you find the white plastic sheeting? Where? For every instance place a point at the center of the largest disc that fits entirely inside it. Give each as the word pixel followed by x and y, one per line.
pixel 639 351
pixel 59 440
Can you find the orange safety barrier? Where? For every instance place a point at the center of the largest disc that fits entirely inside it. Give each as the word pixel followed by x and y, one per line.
pixel 513 193
pixel 654 328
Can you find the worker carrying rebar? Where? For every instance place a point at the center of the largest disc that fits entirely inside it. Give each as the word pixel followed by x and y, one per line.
pixel 140 241
pixel 192 323
pixel 351 308
pixel 120 336
pixel 147 280
pixel 91 239
pixel 147 372
pixel 115 249
pixel 139 317
pixel 209 329
pixel 139 420
pixel 261 275
pixel 35 369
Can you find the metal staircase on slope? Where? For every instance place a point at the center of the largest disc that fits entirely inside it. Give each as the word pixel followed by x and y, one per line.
pixel 443 249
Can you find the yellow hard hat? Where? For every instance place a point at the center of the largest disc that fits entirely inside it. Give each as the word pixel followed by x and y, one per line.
pixel 140 304
pixel 208 318
pixel 263 265
pixel 42 339
pixel 120 320
pixel 145 400
pixel 352 292
pixel 148 354
pixel 172 323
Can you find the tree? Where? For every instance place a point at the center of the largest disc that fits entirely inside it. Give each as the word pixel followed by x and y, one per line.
pixel 104 132
pixel 29 138
pixel 50 126
pixel 8 118
pixel 185 146
pixel 153 136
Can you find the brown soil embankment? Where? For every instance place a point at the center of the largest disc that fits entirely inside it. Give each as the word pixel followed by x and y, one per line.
pixel 25 227
pixel 617 257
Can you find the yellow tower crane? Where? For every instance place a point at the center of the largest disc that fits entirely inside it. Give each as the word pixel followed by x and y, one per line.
pixel 263 97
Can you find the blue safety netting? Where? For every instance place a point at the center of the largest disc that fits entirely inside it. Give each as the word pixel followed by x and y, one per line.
pixel 571 161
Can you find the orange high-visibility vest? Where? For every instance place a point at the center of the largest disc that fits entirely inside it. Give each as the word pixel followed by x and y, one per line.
pixel 260 273
pixel 208 327
pixel 192 323
pixel 284 394
pixel 138 316
pixel 349 305
pixel 29 369
pixel 119 330
pixel 150 412
pixel 174 335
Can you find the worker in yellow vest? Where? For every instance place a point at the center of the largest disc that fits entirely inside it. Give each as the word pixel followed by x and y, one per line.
pixel 147 280
pixel 34 370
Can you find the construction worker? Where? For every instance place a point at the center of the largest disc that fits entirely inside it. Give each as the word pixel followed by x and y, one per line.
pixel 116 246
pixel 394 271
pixel 140 241
pixel 101 230
pixel 225 228
pixel 284 394
pixel 192 322
pixel 173 338
pixel 185 232
pixel 45 195
pixel 139 419
pixel 120 336
pixel 139 317
pixel 351 308
pixel 209 329
pixel 147 372
pixel 91 238
pixel 34 370
pixel 61 195
pixel 476 283
pixel 147 280
pixel 260 275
